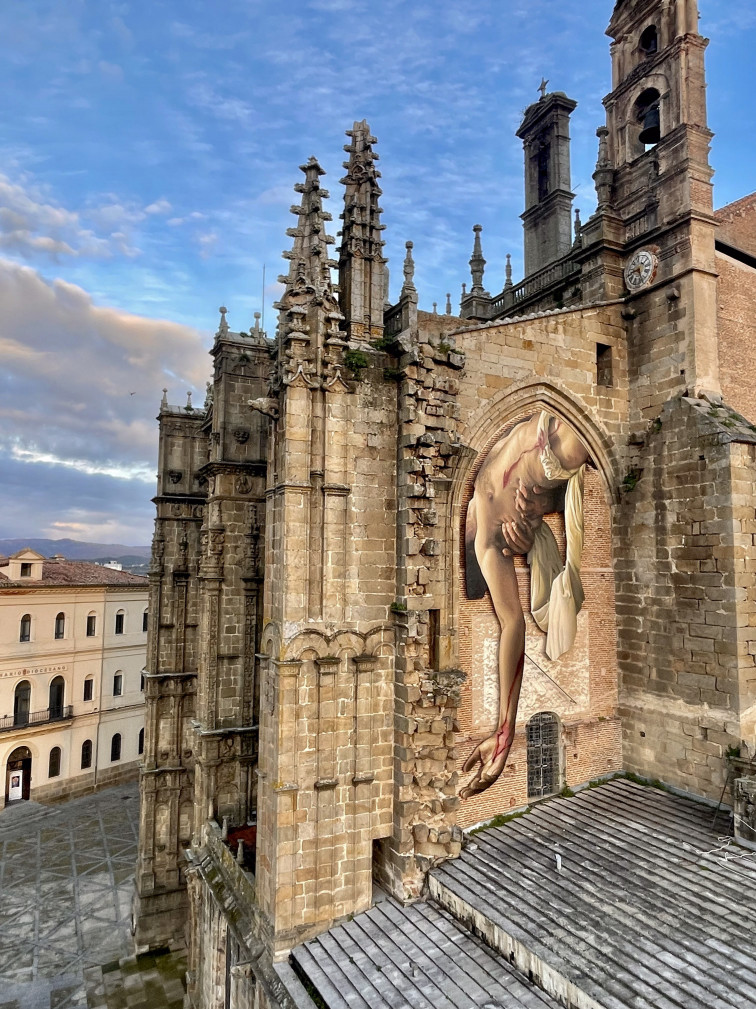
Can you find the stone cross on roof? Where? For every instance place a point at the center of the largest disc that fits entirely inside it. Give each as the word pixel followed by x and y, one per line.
pixel 542 87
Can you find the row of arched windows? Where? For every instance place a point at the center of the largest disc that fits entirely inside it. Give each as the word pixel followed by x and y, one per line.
pixel 25 625
pixel 53 765
pixel 22 700
pixel 56 696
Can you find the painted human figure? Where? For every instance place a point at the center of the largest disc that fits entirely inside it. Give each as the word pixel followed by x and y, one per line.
pixel 523 478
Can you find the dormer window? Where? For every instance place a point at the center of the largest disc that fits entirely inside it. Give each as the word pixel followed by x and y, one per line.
pixel 649 41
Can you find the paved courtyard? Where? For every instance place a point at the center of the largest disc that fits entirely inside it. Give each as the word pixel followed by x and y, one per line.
pixel 66 879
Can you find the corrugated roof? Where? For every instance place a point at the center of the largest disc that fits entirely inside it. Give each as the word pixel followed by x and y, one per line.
pixel 651 907
pixel 416 957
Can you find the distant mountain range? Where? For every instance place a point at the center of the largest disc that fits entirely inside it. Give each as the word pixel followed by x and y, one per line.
pixel 76 550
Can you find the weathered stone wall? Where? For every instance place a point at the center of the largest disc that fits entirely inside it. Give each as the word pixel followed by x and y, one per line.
pixel 684 597
pixel 326 735
pixel 736 288
pixel 166 781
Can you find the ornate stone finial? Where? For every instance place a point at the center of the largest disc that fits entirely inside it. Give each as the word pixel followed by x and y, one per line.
pixel 189 406
pixel 477 263
pixel 240 853
pixel 309 276
pixel 256 332
pixel 578 223
pixel 464 289
pixel 448 304
pixel 542 87
pixel 602 177
pixel 508 272
pixel 435 308
pixel 223 325
pixel 409 271
pixel 363 284
pixel 164 400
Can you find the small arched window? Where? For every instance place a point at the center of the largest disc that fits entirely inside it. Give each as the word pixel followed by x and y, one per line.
pixel 117 684
pixel 91 625
pixel 53 767
pixel 86 754
pixel 141 741
pixel 21 703
pixel 145 617
pixel 60 626
pixel 24 633
pixel 119 619
pixel 649 41
pixel 115 747
pixel 88 689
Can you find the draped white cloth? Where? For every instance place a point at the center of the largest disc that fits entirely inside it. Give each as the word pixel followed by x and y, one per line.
pixel 556 590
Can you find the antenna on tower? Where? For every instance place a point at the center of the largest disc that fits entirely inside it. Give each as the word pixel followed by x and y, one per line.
pixel 262 326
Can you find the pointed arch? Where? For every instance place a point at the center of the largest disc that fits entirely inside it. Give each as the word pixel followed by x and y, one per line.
pixel 521 399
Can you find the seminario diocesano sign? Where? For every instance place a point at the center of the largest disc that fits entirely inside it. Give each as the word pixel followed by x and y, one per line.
pixel 31 670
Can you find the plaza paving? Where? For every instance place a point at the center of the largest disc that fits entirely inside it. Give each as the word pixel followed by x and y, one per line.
pixel 66 883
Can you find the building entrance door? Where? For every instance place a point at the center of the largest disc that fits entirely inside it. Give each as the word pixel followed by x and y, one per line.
pixel 18 774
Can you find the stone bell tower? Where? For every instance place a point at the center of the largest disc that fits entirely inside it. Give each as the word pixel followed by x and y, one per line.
pixel 545 135
pixel 652 237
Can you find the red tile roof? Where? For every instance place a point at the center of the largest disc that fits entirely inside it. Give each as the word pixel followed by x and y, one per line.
pixel 63 572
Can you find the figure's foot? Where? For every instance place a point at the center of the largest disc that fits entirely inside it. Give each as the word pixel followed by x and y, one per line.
pixel 491 755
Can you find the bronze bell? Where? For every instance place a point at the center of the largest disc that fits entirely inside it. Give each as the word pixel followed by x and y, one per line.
pixel 651 132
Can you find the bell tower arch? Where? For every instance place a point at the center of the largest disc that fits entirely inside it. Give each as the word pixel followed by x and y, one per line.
pixel 651 240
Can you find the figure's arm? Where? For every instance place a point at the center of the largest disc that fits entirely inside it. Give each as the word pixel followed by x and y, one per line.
pixel 475 584
pixel 497 567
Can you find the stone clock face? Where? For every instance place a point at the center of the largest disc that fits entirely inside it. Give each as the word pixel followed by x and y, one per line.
pixel 640 269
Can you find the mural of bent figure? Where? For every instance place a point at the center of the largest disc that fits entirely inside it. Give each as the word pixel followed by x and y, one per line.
pixel 522 479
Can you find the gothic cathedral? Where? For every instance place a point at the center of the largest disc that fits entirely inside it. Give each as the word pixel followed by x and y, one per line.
pixel 412 570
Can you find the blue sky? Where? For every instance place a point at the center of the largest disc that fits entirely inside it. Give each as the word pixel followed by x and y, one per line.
pixel 148 152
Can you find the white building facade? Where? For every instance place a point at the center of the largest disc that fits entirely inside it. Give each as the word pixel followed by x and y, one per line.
pixel 72 651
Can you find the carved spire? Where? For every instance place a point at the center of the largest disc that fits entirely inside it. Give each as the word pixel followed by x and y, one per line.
pixel 309 266
pixel 448 304
pixel 604 173
pixel 508 273
pixel 409 272
pixel 223 324
pixel 477 263
pixel 362 275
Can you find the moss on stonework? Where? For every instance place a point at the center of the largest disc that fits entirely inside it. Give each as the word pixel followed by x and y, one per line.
pixel 499 820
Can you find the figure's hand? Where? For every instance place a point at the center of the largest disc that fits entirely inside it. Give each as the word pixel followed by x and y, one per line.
pixel 518 535
pixel 491 755
pixel 530 504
